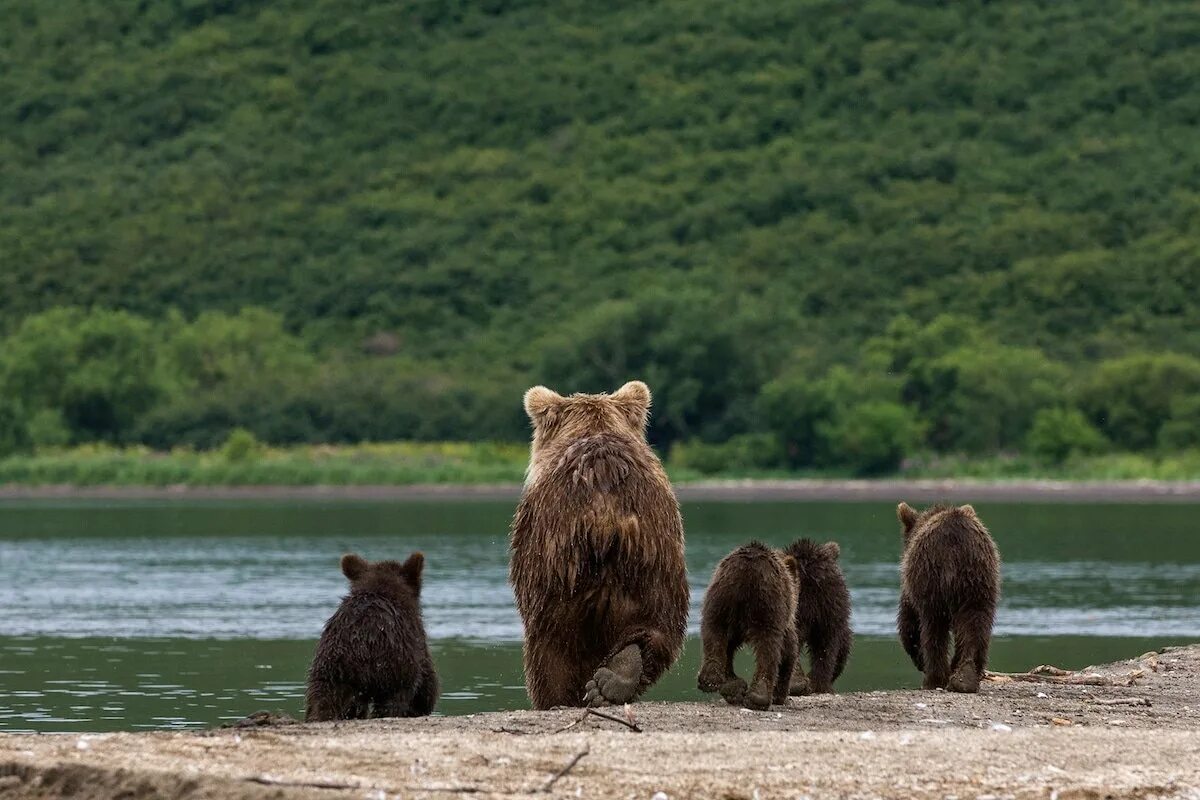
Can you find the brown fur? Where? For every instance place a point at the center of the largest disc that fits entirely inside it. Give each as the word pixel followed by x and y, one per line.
pixel 949 584
pixel 751 600
pixel 373 659
pixel 822 615
pixel 597 560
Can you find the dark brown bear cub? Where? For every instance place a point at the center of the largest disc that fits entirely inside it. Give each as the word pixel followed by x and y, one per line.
pixel 822 615
pixel 751 600
pixel 949 584
pixel 373 660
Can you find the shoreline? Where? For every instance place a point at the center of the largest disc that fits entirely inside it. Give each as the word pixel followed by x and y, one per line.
pixel 919 490
pixel 1122 730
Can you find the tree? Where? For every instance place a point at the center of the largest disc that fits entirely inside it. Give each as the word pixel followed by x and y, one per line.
pixel 1059 433
pixel 1131 398
pixel 99 369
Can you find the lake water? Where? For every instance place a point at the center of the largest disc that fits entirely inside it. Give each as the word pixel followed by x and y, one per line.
pixel 169 615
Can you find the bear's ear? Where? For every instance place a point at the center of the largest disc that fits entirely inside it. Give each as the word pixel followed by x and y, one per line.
pixel 539 400
pixel 354 566
pixel 907 515
pixel 969 510
pixel 790 562
pixel 831 550
pixel 634 399
pixel 413 568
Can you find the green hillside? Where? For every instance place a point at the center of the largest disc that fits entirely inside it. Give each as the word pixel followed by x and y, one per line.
pixel 829 234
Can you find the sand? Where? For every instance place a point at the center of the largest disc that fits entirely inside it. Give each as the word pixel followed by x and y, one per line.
pixel 1130 729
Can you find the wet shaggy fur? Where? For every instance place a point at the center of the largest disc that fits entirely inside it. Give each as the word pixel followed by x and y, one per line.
pixel 822 615
pixel 751 600
pixel 373 659
pixel 949 584
pixel 597 562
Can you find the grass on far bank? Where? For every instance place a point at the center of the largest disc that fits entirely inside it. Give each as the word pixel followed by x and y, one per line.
pixel 245 462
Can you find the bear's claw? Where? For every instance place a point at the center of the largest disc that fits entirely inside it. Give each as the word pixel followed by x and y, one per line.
pixel 618 681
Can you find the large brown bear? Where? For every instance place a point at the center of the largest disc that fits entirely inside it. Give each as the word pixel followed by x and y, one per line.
pixel 822 615
pixel 597 551
pixel 751 600
pixel 373 659
pixel 949 583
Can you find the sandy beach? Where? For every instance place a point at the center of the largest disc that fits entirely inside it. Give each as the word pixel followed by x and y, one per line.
pixel 1129 729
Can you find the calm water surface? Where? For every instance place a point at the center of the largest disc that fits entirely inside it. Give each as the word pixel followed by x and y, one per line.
pixel 145 615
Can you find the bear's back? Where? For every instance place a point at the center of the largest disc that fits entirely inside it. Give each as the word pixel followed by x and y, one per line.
pixel 951 558
pixel 372 641
pixel 751 589
pixel 601 502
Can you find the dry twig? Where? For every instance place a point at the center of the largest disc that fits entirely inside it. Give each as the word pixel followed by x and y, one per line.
pixel 592 712
pixel 548 785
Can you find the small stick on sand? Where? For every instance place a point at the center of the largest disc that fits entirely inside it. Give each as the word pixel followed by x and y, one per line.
pixel 548 785
pixel 628 723
pixel 1121 701
pixel 267 780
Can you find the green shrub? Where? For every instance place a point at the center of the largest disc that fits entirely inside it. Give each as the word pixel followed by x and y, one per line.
pixel 1131 398
pixel 742 453
pixel 1182 430
pixel 240 447
pixel 48 429
pixel 873 437
pixel 1059 433
pixel 14 436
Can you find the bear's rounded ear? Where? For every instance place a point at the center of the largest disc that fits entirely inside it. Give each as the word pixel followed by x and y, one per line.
pixel 831 550
pixel 968 510
pixel 539 400
pixel 354 566
pixel 907 516
pixel 413 568
pixel 790 562
pixel 634 398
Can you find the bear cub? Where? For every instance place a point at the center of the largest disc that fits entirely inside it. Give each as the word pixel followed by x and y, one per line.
pixel 372 659
pixel 822 616
pixel 949 585
pixel 751 600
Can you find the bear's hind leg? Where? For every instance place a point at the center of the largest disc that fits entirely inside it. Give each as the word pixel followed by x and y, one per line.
pixel 326 701
pixel 644 655
pixel 787 664
pixel 972 635
pixel 399 704
pixel 908 624
pixel 935 646
pixel 551 673
pixel 717 665
pixel 824 663
pixel 800 684
pixel 618 681
pixel 427 693
pixel 768 653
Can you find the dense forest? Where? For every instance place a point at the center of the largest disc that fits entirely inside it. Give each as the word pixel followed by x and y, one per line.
pixel 829 234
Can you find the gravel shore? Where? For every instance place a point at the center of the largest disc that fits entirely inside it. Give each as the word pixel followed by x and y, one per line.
pixel 1130 729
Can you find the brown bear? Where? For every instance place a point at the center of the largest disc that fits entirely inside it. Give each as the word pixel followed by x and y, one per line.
pixel 822 616
pixel 751 600
pixel 597 551
pixel 372 659
pixel 949 584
